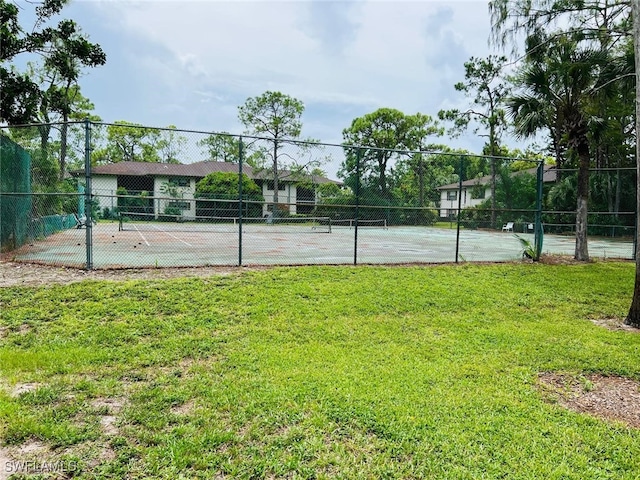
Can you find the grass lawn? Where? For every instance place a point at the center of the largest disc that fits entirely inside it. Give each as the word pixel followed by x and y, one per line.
pixel 318 372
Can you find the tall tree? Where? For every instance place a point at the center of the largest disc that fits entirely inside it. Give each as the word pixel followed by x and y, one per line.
pixel 64 49
pixel 633 317
pixel 277 117
pixel 602 21
pixel 61 102
pixel 220 147
pixel 69 55
pixel 170 145
pixel 613 136
pixel 559 86
pixel 419 175
pixel 384 131
pixel 128 142
pixel 224 147
pixel 487 90
pixel 422 129
pixel 588 31
pixel 58 145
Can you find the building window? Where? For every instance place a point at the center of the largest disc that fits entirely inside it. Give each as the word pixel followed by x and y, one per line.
pixel 452 195
pixel 180 205
pixel 181 182
pixel 281 185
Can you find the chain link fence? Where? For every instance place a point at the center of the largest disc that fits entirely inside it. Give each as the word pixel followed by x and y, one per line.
pixel 97 195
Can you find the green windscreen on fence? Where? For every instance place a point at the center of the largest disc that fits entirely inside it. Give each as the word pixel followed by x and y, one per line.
pixel 15 201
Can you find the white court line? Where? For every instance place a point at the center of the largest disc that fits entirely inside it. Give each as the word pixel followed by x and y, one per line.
pixel 167 233
pixel 143 238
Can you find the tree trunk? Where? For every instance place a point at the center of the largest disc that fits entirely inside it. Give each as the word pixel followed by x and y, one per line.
pixel 44 130
pixel 610 195
pixel 582 149
pixel 616 204
pixel 382 166
pixel 494 214
pixel 421 181
pixel 276 185
pixel 557 150
pixel 64 129
pixel 492 140
pixel 41 172
pixel 633 318
pixel 582 250
pixel 63 147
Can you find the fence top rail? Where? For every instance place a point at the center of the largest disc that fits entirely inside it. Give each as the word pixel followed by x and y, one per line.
pixel 291 141
pixel 598 169
pixel 45 194
pixel 566 212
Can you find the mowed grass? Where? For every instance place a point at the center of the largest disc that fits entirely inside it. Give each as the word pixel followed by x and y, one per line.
pixel 320 372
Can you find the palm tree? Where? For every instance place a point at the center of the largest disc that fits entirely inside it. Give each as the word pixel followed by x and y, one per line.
pixel 559 82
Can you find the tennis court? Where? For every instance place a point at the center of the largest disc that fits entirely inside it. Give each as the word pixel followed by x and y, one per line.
pixel 175 244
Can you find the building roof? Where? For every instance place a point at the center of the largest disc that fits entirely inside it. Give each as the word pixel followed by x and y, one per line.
pixel 140 169
pixel 549 175
pixel 197 170
pixel 288 176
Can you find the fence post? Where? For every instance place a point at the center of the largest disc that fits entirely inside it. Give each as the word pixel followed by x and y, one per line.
pixel 357 212
pixel 459 208
pixel 538 235
pixel 240 154
pixel 88 201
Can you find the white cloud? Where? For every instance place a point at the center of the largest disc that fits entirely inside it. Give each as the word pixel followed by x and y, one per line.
pixel 192 63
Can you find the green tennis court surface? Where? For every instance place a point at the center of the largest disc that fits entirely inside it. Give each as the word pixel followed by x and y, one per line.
pixel 178 245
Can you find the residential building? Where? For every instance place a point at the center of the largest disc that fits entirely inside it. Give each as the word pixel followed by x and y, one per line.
pixel 477 190
pixel 174 185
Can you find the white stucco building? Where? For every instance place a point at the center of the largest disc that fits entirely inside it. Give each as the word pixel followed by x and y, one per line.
pixel 162 187
pixel 477 190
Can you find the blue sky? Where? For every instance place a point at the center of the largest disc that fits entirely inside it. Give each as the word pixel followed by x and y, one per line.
pixel 192 63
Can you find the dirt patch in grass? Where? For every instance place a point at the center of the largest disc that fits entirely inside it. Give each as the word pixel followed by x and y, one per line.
pixel 42 456
pixel 183 409
pixel 5 463
pixel 32 447
pixel 35 459
pixel 30 274
pixel 11 458
pixel 33 274
pixel 604 397
pixel 110 408
pixel 108 424
pixel 21 330
pixel 559 260
pixel 21 388
pixel 614 323
pixel 549 259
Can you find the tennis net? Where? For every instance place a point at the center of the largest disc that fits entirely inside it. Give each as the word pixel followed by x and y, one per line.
pixel 133 221
pixel 351 222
